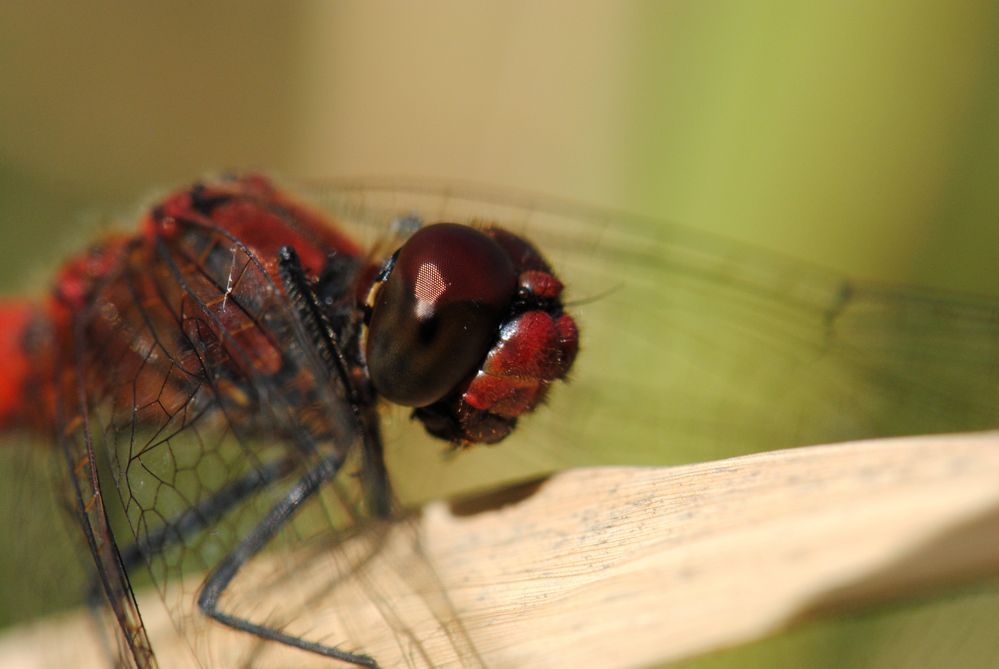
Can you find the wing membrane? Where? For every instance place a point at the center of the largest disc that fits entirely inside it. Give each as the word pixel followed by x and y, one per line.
pixel 694 348
pixel 217 401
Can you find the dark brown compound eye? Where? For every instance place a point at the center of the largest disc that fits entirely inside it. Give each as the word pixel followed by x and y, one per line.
pixel 437 313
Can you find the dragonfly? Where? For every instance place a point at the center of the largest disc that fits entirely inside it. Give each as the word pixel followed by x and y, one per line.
pixel 237 345
pixel 218 442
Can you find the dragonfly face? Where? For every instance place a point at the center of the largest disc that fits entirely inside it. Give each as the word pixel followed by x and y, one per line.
pixel 468 327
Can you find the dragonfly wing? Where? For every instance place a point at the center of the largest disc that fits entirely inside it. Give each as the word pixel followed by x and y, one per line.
pixel 202 398
pixel 85 494
pixel 694 347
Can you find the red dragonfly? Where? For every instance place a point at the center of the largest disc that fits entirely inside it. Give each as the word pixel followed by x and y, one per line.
pixel 227 360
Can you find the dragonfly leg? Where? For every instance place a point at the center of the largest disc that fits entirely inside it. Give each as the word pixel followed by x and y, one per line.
pixel 222 575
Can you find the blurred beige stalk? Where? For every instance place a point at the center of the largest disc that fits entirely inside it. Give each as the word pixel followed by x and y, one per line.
pixel 622 567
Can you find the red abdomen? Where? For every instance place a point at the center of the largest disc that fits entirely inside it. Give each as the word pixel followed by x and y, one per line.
pixel 16 319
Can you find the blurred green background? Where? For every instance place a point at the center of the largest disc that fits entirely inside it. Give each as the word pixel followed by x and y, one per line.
pixel 860 136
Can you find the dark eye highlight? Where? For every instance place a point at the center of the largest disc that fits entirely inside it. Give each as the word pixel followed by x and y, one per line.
pixel 437 313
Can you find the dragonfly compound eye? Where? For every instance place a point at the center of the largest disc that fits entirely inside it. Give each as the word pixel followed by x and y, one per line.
pixel 437 313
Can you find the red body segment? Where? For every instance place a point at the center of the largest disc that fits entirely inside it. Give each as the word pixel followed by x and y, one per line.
pixel 533 351
pixel 253 211
pixel 15 322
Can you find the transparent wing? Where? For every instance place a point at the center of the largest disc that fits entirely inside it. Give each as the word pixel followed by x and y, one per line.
pixel 691 349
pixel 132 647
pixel 694 348
pixel 202 400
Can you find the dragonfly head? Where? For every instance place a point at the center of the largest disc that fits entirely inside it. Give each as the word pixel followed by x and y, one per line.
pixel 467 326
